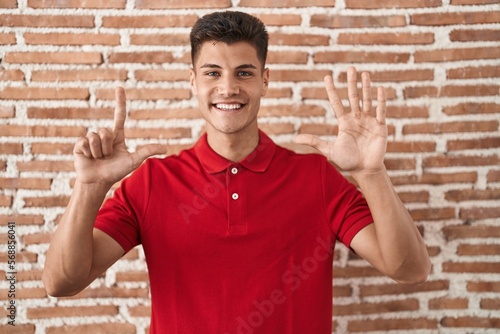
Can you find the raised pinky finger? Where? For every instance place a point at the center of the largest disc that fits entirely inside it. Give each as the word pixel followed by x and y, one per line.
pixel 381 105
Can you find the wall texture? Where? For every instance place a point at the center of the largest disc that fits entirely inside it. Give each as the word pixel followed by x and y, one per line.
pixel 438 59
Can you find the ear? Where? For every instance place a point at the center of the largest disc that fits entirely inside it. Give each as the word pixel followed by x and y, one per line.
pixel 265 81
pixel 192 77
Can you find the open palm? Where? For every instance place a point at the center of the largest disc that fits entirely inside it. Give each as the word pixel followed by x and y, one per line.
pixel 362 139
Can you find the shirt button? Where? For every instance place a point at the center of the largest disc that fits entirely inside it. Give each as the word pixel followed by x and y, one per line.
pixel 235 196
pixel 234 170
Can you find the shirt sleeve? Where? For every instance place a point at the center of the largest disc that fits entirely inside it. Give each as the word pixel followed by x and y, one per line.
pixel 346 209
pixel 121 215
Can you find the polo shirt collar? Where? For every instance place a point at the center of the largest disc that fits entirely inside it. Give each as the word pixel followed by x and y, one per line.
pixel 257 161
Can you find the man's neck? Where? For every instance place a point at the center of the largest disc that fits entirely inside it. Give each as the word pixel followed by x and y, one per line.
pixel 233 147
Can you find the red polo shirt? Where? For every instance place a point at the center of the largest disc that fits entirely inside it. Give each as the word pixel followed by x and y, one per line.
pixel 237 248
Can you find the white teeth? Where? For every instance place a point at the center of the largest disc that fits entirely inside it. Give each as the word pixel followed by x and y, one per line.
pixel 224 106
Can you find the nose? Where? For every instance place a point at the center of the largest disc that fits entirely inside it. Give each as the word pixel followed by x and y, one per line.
pixel 228 86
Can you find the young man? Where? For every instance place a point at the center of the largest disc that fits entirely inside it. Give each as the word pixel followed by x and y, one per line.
pixel 238 232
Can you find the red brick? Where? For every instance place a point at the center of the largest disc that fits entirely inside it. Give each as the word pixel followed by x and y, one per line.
pixel 6 200
pixel 275 93
pixel 436 178
pixel 410 304
pixel 414 197
pixel 45 166
pixel 109 4
pixel 490 303
pixel 53 57
pixel 140 311
pixel 277 128
pixel 161 75
pixel 79 75
pixel 483 143
pixel 52 148
pixel 473 72
pixel 474 322
pixel 473 2
pixel 400 164
pixel 36 238
pixel 467 231
pixel 348 272
pixel 18 329
pixel 478 250
pixel 386 38
pixel 132 276
pixel 471 267
pixel 451 127
pixel 280 19
pixel 298 75
pixel 7 38
pixel 149 21
pixel 336 57
pixel 355 326
pixel 71 113
pixel 11 148
pixel 472 195
pixel 450 91
pixel 395 76
pixel 345 21
pixel 432 214
pixel 367 4
pixel 461 160
pixel 24 257
pixel 159 133
pixel 480 213
pixel 411 147
pixel 42 131
pixel 112 293
pixel 442 19
pixel 493 176
pixel 292 110
pixel 319 129
pixel 447 55
pixel 71 311
pixel 474 35
pixel 11 75
pixel 165 114
pixel 108 328
pixel 152 57
pixel 25 183
pixel 46 201
pixel 7 112
pixel 175 4
pixel 320 93
pixel 8 4
pixel 290 57
pixel 448 303
pixel 146 94
pixel 22 219
pixel 71 39
pixel 159 39
pixel 63 21
pixel 483 286
pixel 398 289
pixel 287 3
pixel 472 109
pixel 298 39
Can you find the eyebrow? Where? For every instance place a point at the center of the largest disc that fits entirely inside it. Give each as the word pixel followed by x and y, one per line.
pixel 242 66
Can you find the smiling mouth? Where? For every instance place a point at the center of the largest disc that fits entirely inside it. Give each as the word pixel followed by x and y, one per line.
pixel 228 106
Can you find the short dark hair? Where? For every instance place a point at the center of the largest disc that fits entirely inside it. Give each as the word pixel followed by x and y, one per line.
pixel 229 27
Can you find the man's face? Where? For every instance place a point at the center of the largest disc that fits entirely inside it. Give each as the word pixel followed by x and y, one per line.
pixel 229 82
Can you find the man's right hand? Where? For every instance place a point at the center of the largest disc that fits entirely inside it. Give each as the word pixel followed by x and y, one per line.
pixel 102 157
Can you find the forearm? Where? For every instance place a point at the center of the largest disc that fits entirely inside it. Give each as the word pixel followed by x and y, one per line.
pixel 69 258
pixel 402 253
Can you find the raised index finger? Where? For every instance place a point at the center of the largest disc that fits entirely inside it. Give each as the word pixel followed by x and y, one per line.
pixel 120 109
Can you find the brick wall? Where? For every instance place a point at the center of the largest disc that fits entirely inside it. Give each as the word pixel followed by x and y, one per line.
pixel 438 59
